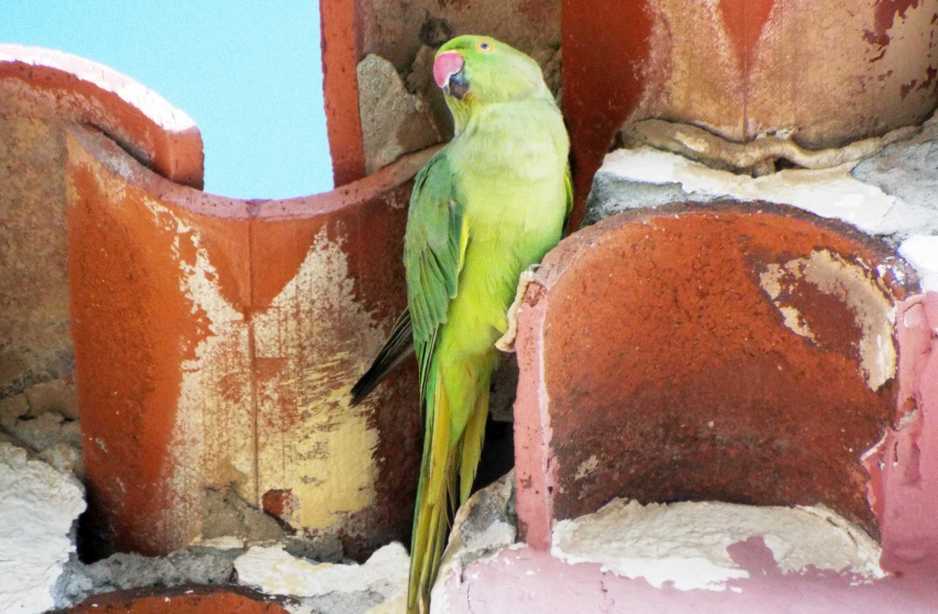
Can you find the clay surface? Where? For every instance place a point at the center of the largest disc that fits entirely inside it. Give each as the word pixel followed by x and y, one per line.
pixel 741 69
pixel 181 600
pixel 198 336
pixel 705 326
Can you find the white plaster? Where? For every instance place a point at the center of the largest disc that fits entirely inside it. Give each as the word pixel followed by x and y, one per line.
pixel 38 506
pixel 481 529
pixel 586 467
pixel 276 572
pixel 685 544
pixel 225 542
pixel 135 94
pixel 831 193
pixel 921 251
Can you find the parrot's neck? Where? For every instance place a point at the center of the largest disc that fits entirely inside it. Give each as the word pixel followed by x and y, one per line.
pixel 525 138
pixel 469 110
pixel 462 112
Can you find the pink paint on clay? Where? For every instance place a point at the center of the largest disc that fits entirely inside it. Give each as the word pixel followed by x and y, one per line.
pixel 903 467
pixel 526 580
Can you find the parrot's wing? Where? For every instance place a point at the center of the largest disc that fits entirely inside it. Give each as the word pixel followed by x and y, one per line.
pixel 434 249
pixel 397 347
pixel 433 254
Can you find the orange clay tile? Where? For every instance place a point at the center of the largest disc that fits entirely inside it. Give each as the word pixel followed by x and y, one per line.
pixel 720 352
pixel 824 72
pixel 50 84
pixel 215 344
pixel 341 51
pixel 214 340
pixel 182 600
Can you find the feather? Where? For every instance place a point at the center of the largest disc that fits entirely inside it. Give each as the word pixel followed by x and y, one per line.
pixel 398 347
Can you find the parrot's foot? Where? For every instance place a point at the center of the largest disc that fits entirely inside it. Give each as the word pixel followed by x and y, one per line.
pixel 506 342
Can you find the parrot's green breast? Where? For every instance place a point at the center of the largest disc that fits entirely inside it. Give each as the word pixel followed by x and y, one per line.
pixel 508 168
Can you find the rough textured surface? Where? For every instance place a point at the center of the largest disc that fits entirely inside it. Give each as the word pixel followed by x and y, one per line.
pixel 526 580
pixel 759 157
pixel 688 545
pixel 907 169
pixel 38 403
pixel 742 69
pixel 705 325
pixel 903 466
pixel 46 83
pixel 35 347
pixel 483 526
pixel 890 194
pixel 394 121
pixel 124 571
pixel 226 514
pixel 396 30
pixel 204 366
pixel 215 369
pixel 182 600
pixel 326 587
pixel 38 508
pixel 648 177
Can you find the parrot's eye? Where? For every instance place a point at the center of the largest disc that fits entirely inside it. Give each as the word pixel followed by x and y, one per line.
pixel 485 47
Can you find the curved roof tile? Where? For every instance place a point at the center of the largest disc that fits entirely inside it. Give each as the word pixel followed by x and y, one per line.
pixel 47 83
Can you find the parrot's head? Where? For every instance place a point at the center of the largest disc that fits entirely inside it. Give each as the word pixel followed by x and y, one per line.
pixel 473 70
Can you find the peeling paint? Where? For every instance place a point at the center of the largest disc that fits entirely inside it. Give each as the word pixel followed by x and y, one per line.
pixel 320 433
pixel 852 285
pixel 307 433
pixel 213 433
pixel 586 467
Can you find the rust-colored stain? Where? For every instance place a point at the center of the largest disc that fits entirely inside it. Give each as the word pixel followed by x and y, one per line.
pixel 744 22
pixel 744 68
pixel 29 88
pixel 181 600
pixel 886 12
pixel 725 354
pixel 341 47
pixel 605 49
pixel 216 340
pixel 132 329
pixel 279 503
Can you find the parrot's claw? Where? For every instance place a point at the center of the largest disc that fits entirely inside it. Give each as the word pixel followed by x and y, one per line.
pixel 506 342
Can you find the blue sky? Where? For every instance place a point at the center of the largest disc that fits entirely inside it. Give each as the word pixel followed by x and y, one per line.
pixel 248 72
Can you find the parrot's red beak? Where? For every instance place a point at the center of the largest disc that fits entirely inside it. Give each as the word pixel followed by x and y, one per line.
pixel 445 66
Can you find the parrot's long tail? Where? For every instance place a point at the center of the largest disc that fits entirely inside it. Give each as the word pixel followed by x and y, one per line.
pixel 453 436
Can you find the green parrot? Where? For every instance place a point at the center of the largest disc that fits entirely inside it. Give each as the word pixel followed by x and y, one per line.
pixel 487 206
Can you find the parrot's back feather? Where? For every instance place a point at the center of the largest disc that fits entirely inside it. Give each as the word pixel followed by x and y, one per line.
pixel 398 346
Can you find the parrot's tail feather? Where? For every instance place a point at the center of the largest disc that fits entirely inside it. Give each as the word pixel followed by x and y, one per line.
pixel 471 448
pixel 398 346
pixel 431 517
pixel 454 429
